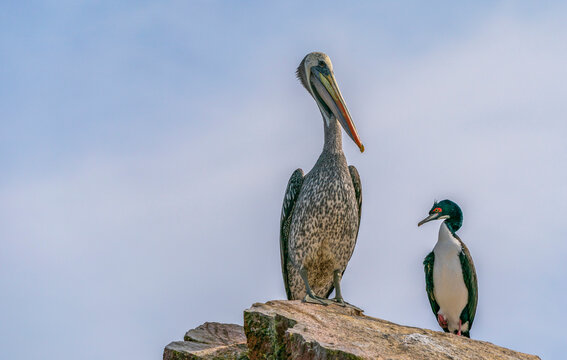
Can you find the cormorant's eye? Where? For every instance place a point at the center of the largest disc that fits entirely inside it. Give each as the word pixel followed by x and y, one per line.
pixel 437 210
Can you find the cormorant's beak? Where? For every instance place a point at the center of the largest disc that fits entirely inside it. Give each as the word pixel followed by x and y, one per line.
pixel 428 219
pixel 327 90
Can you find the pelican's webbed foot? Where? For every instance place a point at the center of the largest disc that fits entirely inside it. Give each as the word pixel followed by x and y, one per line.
pixel 314 299
pixel 352 306
pixel 311 297
pixel 338 299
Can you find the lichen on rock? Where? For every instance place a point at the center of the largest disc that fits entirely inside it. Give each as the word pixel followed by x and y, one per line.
pixel 296 330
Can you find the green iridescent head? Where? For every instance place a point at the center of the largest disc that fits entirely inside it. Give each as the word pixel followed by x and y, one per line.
pixel 448 211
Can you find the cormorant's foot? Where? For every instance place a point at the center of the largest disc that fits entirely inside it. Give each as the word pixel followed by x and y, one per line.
pixel 315 300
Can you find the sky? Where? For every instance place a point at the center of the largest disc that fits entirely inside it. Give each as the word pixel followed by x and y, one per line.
pixel 145 148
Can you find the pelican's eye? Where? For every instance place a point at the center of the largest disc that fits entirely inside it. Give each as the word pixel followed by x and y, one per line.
pixel 437 210
pixel 322 64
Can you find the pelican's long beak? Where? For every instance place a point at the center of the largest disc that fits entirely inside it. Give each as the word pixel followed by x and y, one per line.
pixel 428 219
pixel 328 91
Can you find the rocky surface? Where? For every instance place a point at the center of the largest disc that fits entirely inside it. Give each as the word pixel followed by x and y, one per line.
pixel 209 341
pixel 296 330
pixel 302 331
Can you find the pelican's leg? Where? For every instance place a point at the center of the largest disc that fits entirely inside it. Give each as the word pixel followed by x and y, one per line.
pixel 337 277
pixel 311 297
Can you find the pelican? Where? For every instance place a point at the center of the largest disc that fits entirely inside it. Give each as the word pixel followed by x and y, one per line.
pixel 321 210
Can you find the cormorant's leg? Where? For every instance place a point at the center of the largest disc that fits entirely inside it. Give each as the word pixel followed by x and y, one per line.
pixel 441 320
pixel 337 277
pixel 310 297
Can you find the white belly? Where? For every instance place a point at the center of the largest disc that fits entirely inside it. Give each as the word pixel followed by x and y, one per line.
pixel 449 286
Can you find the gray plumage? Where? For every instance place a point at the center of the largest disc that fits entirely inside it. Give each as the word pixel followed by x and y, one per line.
pixel 319 225
pixel 320 215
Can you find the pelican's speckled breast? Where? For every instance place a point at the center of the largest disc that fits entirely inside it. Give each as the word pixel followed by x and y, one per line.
pixel 324 226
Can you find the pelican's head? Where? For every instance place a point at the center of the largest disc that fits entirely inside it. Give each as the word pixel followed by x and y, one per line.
pixel 316 74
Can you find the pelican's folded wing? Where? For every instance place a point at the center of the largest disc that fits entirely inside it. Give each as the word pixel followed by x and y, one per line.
pixel 291 193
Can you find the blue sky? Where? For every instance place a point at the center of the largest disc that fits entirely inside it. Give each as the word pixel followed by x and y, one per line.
pixel 145 148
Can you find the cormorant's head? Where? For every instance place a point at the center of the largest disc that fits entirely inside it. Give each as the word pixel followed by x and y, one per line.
pixel 445 210
pixel 316 74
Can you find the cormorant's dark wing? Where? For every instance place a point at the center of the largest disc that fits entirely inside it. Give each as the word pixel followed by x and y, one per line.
pixel 428 267
pixel 469 276
pixel 357 190
pixel 291 193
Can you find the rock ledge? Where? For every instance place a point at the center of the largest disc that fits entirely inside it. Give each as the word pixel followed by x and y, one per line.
pixel 209 341
pixel 296 330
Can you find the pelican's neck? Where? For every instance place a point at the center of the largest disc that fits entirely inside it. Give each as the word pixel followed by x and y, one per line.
pixel 333 136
